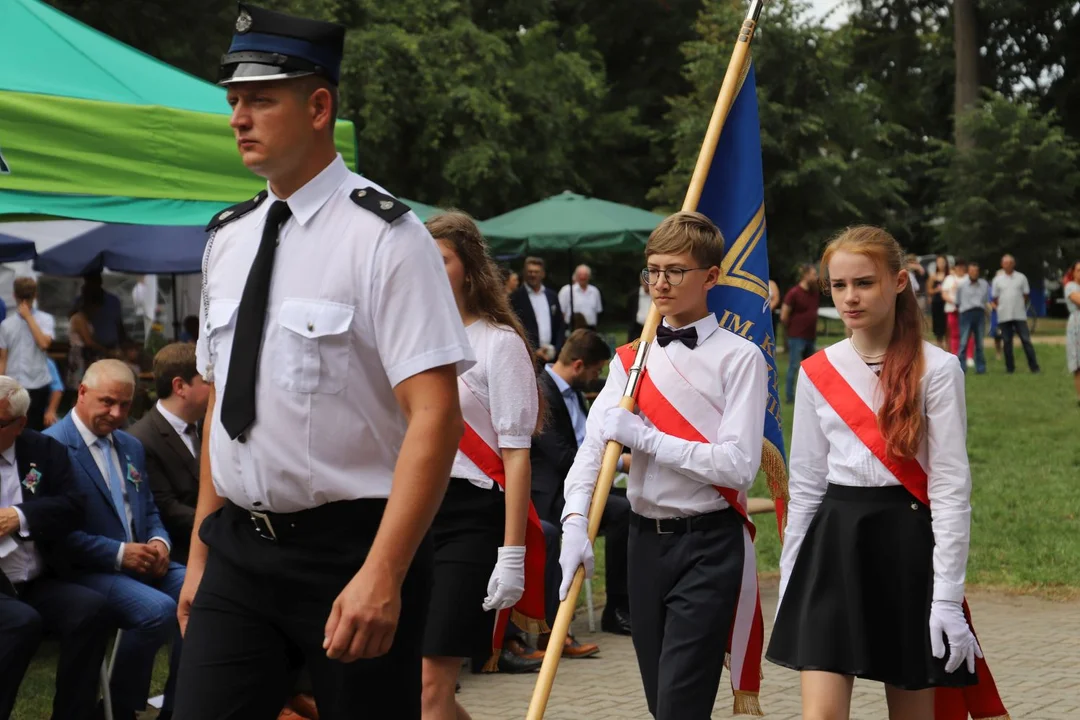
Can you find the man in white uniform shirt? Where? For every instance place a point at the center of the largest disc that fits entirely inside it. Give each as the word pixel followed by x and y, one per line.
pixel 1011 291
pixel 581 298
pixel 332 342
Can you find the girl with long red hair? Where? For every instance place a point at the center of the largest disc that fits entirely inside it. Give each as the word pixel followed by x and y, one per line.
pixel 876 544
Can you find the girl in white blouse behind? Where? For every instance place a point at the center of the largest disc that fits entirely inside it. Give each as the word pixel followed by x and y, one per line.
pixel 876 544
pixel 484 525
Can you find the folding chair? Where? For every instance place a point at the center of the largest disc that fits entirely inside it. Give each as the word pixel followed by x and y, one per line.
pixel 106 675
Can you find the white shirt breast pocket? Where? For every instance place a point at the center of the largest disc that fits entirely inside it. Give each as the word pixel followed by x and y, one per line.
pixel 314 343
pixel 220 327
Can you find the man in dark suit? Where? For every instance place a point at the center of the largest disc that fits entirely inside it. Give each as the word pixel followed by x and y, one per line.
pixel 538 309
pixel 121 549
pixel 580 362
pixel 170 436
pixel 39 505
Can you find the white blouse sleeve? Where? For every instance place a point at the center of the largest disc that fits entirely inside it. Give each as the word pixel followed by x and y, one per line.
pixel 512 389
pixel 808 472
pixel 949 478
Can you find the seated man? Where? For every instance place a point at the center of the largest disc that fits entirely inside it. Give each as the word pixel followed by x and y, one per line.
pixel 38 506
pixel 580 361
pixel 169 435
pixel 121 549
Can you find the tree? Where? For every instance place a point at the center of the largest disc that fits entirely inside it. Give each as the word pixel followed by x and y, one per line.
pixel 825 153
pixel 1014 191
pixel 966 46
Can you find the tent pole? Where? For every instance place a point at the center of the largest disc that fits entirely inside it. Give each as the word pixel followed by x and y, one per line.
pixel 175 311
pixel 570 325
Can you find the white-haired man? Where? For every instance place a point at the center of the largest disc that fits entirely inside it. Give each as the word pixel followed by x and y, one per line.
pixel 121 550
pixel 39 505
pixel 581 298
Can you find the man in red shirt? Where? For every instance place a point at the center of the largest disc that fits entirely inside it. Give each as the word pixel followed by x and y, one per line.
pixel 799 316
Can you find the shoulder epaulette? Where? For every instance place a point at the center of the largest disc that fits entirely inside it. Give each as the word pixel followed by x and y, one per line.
pixel 386 207
pixel 236 211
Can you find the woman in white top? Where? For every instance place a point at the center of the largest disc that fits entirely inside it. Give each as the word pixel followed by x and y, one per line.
pixel 872 575
pixel 480 530
pixel 1072 330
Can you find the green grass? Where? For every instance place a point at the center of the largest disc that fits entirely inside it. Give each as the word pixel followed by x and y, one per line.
pixel 1025 462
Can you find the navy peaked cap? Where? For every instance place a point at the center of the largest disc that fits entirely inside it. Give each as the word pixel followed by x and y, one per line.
pixel 269 45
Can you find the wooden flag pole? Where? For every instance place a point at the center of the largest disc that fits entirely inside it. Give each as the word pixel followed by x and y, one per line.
pixel 561 627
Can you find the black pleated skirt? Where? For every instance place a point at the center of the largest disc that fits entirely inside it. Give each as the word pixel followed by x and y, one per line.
pixel 467 532
pixel 858 600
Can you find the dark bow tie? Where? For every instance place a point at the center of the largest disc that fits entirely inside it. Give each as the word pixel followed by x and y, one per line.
pixel 687 336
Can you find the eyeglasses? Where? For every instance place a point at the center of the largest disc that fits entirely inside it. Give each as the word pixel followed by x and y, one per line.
pixel 5 424
pixel 674 276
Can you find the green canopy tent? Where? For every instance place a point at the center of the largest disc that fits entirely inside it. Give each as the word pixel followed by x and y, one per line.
pixel 569 221
pixel 96 130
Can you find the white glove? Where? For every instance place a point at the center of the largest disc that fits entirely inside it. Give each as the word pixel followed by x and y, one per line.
pixel 507 583
pixel 576 551
pixel 948 618
pixel 625 427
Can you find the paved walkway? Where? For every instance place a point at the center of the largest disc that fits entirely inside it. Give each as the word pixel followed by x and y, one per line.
pixel 1032 645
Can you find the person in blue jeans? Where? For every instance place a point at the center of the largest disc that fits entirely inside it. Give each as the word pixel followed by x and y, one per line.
pixel 799 316
pixel 971 294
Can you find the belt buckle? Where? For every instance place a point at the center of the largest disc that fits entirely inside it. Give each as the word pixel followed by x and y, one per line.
pixel 660 530
pixel 255 518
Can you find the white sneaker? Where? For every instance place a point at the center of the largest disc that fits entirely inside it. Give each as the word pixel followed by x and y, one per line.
pixel 971 362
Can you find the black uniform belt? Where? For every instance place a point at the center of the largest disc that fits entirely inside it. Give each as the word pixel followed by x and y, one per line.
pixel 331 517
pixel 671 526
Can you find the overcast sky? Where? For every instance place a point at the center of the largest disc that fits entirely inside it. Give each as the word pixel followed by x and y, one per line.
pixel 823 6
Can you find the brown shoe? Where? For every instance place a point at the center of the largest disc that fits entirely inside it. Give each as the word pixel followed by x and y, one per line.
pixel 572 649
pixel 304 705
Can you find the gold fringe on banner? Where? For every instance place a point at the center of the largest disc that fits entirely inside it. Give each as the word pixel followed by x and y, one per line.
pixel 747 703
pixel 528 625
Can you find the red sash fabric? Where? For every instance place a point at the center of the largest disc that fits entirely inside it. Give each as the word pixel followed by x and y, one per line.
pixel 668 420
pixel 531 605
pixel 981 701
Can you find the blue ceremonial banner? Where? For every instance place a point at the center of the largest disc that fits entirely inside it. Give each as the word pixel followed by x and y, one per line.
pixel 734 199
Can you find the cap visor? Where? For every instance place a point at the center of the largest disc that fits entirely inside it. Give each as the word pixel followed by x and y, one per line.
pixel 252 72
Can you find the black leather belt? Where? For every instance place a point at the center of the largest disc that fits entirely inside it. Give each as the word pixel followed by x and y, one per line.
pixel 675 526
pixel 281 527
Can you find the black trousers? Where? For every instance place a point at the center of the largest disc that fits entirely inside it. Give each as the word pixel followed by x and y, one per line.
pixel 80 617
pixel 1020 329
pixel 683 592
pixel 39 403
pixel 262 607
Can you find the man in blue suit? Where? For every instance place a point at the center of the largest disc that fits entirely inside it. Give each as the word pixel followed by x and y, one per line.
pixel 39 505
pixel 121 549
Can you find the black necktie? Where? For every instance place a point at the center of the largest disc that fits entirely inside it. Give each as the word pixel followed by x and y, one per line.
pixel 193 432
pixel 238 405
pixel 687 336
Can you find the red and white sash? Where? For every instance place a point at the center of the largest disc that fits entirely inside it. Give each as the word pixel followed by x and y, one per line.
pixel 480 444
pixel 676 408
pixel 981 701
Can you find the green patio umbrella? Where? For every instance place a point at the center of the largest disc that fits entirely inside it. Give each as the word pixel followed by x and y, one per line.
pixel 93 129
pixel 569 221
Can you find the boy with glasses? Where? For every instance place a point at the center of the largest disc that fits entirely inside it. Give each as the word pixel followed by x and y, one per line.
pixel 696 442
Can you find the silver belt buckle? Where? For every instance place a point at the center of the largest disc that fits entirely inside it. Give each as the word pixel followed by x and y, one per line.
pixel 255 518
pixel 661 532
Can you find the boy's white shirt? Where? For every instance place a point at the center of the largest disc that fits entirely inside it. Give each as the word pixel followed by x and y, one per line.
pixel 726 371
